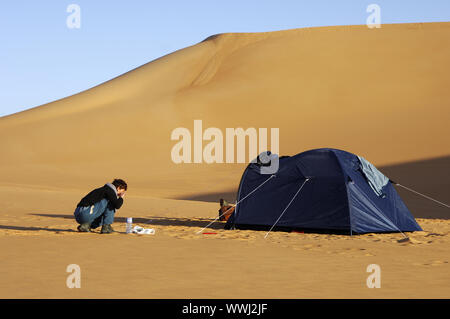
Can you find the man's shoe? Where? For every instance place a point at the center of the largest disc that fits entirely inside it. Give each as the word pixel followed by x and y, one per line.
pixel 106 229
pixel 84 228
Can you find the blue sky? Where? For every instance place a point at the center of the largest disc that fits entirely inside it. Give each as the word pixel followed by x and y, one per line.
pixel 42 60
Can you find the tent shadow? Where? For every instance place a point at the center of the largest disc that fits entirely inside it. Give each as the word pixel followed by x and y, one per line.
pixel 156 220
pixel 230 196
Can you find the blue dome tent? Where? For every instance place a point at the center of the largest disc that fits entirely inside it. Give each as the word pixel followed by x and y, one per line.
pixel 326 190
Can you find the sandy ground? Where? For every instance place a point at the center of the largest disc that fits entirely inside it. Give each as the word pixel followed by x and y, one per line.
pixel 379 93
pixel 179 262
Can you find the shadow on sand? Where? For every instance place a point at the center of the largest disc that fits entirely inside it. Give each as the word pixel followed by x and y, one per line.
pixel 430 177
pixel 155 220
pixel 230 196
pixel 24 228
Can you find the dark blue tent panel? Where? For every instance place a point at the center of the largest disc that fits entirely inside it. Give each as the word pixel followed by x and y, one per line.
pixel 322 189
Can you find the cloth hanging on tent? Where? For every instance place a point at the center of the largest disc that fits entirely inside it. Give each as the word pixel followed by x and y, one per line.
pixel 375 178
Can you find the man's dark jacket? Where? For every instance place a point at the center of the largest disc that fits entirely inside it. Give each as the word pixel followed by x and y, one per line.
pixel 108 191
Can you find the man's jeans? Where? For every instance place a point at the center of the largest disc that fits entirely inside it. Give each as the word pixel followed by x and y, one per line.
pixel 96 215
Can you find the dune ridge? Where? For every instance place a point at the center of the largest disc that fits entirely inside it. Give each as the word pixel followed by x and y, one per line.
pixel 371 92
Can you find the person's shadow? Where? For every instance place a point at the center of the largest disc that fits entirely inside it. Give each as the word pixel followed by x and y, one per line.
pixel 26 228
pixel 151 220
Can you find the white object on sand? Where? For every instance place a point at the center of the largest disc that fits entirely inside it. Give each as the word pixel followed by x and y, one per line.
pixel 129 225
pixel 143 231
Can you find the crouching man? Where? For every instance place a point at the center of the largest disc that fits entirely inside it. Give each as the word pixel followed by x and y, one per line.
pixel 99 206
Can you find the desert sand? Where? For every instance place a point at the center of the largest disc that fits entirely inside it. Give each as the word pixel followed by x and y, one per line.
pixel 379 93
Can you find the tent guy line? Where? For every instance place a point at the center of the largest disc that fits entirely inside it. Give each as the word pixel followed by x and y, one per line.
pixel 427 197
pixel 286 207
pixel 271 176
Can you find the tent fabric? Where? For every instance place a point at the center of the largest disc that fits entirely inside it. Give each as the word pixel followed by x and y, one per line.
pixel 375 178
pixel 335 197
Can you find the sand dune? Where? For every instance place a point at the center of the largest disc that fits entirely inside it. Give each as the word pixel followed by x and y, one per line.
pixel 380 93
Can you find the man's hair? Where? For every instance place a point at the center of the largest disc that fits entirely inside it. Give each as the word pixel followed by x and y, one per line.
pixel 120 183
